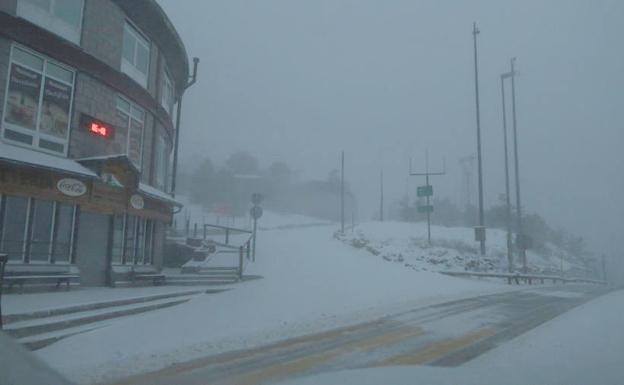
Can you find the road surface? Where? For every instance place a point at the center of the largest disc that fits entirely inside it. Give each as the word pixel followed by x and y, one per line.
pixel 446 334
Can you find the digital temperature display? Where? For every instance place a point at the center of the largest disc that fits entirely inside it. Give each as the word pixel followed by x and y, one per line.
pixel 97 127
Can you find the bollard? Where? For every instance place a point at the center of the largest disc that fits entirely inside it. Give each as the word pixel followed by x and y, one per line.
pixel 227 236
pixel 3 260
pixel 240 263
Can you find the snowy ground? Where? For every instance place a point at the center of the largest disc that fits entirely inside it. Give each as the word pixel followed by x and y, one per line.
pixel 583 346
pixel 453 248
pixel 312 282
pixel 28 303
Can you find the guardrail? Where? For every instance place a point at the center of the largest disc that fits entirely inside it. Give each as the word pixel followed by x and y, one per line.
pixel 243 250
pixel 517 277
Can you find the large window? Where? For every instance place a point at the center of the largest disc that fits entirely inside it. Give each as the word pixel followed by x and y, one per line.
pixel 118 236
pixel 132 119
pixel 36 230
pixel 167 94
pixel 135 58
pixel 161 163
pixel 132 240
pixel 63 17
pixel 38 103
pixel 14 223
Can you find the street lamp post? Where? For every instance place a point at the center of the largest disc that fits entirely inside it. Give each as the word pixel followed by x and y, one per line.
pixel 521 241
pixel 507 197
pixel 475 32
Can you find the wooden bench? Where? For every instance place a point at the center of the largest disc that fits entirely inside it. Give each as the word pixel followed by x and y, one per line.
pixel 156 278
pixel 21 278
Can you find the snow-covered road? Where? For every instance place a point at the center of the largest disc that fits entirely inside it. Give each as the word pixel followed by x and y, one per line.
pixel 443 335
pixel 312 283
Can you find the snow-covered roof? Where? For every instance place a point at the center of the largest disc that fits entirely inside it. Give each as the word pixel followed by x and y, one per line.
pixel 26 156
pixel 103 158
pixel 155 193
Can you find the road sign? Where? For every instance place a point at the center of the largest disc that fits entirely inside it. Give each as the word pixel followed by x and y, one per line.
pixel 479 233
pixel 256 212
pixel 424 191
pixel 256 198
pixel 425 209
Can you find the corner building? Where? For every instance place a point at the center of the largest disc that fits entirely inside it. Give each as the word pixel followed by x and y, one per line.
pixel 87 102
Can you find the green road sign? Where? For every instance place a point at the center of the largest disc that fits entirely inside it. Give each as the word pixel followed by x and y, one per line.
pixel 424 191
pixel 425 209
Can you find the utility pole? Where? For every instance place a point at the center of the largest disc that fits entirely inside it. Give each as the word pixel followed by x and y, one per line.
pixel 507 197
pixel 427 191
pixel 467 166
pixel 381 201
pixel 342 208
pixel 521 238
pixel 475 32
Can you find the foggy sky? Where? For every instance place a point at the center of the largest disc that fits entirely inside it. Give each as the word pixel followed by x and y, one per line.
pixel 300 81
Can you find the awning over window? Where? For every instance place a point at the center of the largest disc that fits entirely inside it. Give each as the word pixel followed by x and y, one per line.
pixel 37 159
pixel 155 193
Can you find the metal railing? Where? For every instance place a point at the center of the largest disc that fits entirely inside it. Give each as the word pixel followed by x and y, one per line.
pixel 518 277
pixel 243 250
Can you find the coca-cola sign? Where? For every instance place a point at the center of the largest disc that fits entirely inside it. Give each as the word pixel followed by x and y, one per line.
pixel 71 187
pixel 137 202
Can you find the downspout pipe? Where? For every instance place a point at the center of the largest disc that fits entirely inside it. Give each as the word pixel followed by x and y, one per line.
pixel 177 129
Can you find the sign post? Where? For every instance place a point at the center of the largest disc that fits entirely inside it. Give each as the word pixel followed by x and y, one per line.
pixel 426 191
pixel 256 213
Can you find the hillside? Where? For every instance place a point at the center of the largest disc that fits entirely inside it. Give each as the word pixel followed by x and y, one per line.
pixel 452 248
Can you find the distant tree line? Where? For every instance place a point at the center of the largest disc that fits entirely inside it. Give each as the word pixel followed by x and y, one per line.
pixel 226 188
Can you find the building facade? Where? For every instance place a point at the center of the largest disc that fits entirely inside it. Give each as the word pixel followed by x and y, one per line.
pixel 87 104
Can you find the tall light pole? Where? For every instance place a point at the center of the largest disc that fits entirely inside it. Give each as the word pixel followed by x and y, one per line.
pixel 342 194
pixel 381 200
pixel 475 32
pixel 507 197
pixel 521 241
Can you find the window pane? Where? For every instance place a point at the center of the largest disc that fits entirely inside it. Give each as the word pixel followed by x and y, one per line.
pixel 23 97
pixel 129 43
pixel 60 73
pixel 62 237
pixel 123 105
pixel 118 238
pixel 41 230
pixel 130 234
pixel 13 227
pixel 140 240
pixel 55 108
pixel 149 227
pixel 43 4
pixel 142 62
pixel 134 141
pixel 69 11
pixel 27 59
pixel 137 113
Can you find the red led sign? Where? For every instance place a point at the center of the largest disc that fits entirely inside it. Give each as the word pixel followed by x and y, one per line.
pixel 97 127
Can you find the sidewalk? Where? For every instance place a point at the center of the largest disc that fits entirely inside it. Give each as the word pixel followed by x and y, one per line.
pixel 13 304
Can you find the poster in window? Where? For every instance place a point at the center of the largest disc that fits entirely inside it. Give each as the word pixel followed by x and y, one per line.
pixel 23 97
pixel 134 142
pixel 55 108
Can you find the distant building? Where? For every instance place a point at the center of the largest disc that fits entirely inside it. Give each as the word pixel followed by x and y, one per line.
pixel 87 94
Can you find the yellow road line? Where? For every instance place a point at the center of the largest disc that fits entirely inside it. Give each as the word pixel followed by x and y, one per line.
pixel 287 368
pixel 436 349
